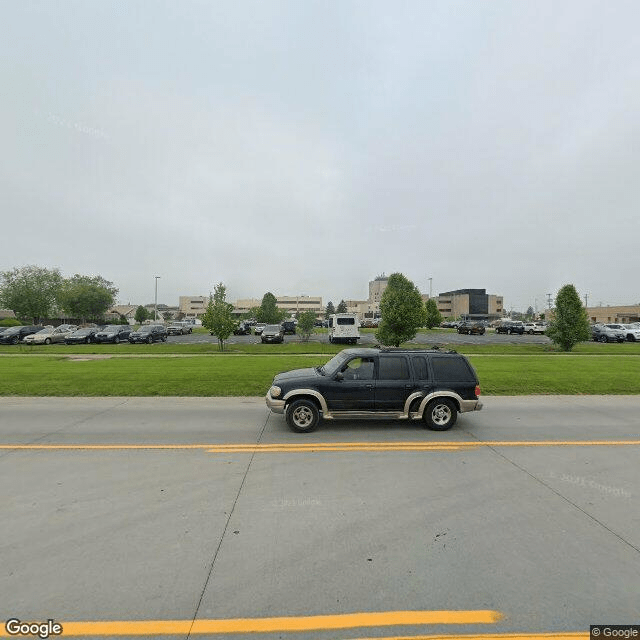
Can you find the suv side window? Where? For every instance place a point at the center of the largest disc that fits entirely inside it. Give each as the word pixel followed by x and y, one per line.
pixel 393 368
pixel 358 369
pixel 420 367
pixel 445 368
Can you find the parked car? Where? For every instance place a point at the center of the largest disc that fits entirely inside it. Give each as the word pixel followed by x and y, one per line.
pixel 511 326
pixel 534 327
pixel 259 328
pixel 243 329
pixel 607 333
pixel 289 326
pixel 85 335
pixel 178 328
pixel 51 335
pixel 469 328
pixel 632 331
pixel 115 333
pixel 429 385
pixel 13 335
pixel 272 333
pixel 149 333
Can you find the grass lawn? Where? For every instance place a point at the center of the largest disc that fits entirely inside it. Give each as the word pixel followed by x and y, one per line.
pixel 242 373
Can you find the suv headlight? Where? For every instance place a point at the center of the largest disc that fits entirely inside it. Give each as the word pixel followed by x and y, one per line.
pixel 275 392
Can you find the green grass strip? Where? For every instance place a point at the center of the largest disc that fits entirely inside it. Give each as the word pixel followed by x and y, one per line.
pixel 231 375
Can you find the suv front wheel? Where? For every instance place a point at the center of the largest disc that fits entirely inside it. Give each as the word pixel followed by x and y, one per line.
pixel 440 414
pixel 302 416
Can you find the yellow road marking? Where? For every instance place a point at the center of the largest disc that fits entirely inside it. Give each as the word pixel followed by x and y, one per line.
pixel 274 625
pixel 559 635
pixel 326 446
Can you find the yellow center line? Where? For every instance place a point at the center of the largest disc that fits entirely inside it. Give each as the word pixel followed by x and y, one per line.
pixel 280 624
pixel 325 446
pixel 558 635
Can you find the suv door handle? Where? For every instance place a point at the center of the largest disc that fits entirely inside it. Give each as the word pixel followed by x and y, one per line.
pixel 409 386
pixel 368 386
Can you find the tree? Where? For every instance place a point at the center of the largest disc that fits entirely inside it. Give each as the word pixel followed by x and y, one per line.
pixel 530 313
pixel 330 309
pixel 402 311
pixel 342 307
pixel 167 316
pixel 570 323
pixel 306 322
pixel 31 292
pixel 433 317
pixel 141 315
pixel 86 296
pixel 218 317
pixel 268 311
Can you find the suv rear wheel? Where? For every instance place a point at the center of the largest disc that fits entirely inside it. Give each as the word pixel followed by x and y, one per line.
pixel 302 416
pixel 440 414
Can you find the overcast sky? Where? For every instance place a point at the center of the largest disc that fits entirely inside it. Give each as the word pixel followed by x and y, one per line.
pixel 305 147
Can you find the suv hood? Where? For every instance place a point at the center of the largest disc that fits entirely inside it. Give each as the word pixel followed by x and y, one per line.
pixel 296 374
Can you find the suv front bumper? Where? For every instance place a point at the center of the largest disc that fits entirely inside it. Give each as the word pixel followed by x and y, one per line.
pixel 277 406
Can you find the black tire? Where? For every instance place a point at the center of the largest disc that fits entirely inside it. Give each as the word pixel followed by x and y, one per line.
pixel 116 340
pixel 87 340
pixel 603 338
pixel 47 341
pixel 14 340
pixel 149 339
pixel 303 416
pixel 530 332
pixel 440 414
pixel 164 338
pixel 508 332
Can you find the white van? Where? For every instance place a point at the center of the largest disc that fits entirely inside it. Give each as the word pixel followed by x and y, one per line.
pixel 343 327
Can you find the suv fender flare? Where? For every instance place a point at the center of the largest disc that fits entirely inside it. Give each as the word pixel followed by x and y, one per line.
pixel 297 393
pixel 439 394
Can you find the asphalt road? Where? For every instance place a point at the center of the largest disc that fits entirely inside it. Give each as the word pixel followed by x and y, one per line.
pixel 205 517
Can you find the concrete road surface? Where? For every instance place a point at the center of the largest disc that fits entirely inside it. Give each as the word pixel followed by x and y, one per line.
pixel 208 518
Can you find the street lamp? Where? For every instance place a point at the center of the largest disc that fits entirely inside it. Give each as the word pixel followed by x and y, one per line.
pixel 155 311
pixel 430 283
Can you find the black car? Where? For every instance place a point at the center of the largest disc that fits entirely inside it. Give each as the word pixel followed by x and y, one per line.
pixel 289 326
pixel 113 333
pixel 272 333
pixel 13 335
pixel 429 385
pixel 83 336
pixel 511 327
pixel 149 333
pixel 469 328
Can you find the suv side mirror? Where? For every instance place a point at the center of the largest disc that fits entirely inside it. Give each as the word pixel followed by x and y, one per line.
pixel 339 376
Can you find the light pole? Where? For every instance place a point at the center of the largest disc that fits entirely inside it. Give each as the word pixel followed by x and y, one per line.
pixel 155 306
pixel 430 283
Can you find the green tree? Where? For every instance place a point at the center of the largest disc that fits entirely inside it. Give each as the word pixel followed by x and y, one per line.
pixel 330 309
pixel 141 315
pixel 433 317
pixel 31 292
pixel 402 310
pixel 306 322
pixel 268 310
pixel 86 297
pixel 530 313
pixel 342 307
pixel 218 317
pixel 570 323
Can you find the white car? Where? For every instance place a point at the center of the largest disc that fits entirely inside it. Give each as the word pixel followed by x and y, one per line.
pixel 632 331
pixel 534 327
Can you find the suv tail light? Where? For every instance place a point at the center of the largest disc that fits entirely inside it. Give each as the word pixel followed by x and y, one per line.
pixel 477 391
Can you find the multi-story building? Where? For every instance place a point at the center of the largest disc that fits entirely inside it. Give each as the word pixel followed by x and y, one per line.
pixel 193 306
pixel 475 304
pixel 290 304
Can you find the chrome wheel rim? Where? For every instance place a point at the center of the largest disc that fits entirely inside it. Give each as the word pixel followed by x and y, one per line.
pixel 302 417
pixel 441 414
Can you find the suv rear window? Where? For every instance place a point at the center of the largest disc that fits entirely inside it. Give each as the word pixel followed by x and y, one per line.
pixel 393 368
pixel 346 320
pixel 452 369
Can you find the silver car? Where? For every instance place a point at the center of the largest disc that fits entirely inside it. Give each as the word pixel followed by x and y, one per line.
pixel 51 335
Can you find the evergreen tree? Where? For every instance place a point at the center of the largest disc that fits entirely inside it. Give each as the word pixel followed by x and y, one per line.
pixel 570 323
pixel 402 310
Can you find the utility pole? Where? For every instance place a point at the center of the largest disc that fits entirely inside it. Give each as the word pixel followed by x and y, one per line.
pixel 430 288
pixel 549 302
pixel 586 298
pixel 155 304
